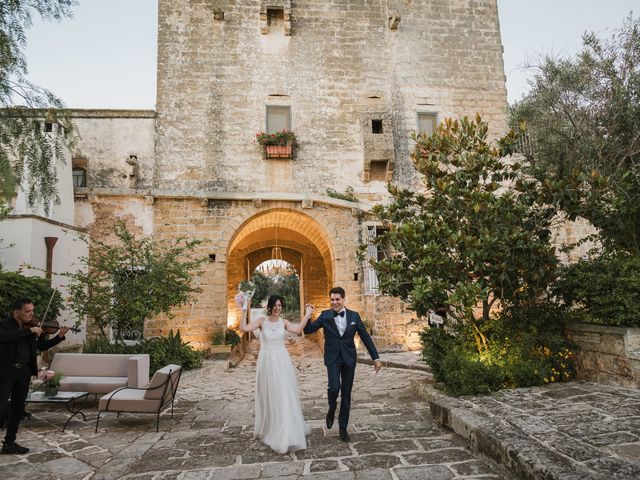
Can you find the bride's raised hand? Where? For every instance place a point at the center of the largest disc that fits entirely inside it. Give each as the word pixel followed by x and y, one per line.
pixel 308 309
pixel 242 301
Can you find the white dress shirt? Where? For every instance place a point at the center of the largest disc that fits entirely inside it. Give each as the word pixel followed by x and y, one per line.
pixel 341 321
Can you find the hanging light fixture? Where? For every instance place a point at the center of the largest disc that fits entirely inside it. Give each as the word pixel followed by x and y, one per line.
pixel 276 252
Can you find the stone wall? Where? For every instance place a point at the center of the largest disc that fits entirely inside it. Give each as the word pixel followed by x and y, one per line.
pixel 391 325
pixel 340 64
pixel 607 354
pixel 108 140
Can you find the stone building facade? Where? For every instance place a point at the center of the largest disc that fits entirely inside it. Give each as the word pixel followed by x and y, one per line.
pixel 354 79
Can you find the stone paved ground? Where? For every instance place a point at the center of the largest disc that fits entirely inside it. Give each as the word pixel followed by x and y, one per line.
pixel 210 437
pixel 560 431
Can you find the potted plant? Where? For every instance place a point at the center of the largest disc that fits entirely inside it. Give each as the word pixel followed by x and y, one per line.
pixel 278 144
pixel 48 381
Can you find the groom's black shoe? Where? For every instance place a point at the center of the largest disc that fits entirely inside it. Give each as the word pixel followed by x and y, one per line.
pixel 344 436
pixel 330 415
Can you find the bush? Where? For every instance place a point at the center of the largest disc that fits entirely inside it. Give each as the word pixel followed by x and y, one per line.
pixel 162 350
pixel 525 347
pixel 604 288
pixel 171 349
pixel 13 286
pixel 436 343
pixel 217 336
pixel 468 375
pixel 231 338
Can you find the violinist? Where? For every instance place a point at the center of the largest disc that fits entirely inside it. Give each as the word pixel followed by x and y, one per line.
pixel 20 339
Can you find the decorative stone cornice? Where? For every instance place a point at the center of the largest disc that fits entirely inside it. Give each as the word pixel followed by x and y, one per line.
pixel 307 200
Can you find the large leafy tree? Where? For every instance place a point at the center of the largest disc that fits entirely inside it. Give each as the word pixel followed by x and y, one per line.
pixel 27 150
pixel 479 233
pixel 131 280
pixel 582 118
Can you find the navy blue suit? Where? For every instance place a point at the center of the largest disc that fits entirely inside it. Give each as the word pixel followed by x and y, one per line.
pixel 340 357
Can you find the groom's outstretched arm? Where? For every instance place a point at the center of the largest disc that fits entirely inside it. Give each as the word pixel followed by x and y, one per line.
pixel 311 327
pixel 366 338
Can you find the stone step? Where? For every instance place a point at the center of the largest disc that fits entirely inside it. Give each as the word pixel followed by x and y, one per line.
pixel 403 360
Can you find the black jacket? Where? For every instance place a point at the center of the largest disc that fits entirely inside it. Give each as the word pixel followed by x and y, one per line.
pixel 10 332
pixel 335 345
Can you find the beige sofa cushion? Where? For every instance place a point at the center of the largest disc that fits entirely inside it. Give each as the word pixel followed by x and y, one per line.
pixel 91 364
pixel 158 379
pixel 128 400
pixel 92 384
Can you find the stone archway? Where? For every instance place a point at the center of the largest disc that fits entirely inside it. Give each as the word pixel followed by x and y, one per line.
pixel 304 244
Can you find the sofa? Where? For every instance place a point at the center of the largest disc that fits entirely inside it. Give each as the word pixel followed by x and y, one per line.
pixel 100 372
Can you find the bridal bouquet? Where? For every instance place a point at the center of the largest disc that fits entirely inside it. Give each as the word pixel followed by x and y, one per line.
pixel 246 289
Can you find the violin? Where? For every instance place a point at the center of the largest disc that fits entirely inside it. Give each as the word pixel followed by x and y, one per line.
pixel 49 327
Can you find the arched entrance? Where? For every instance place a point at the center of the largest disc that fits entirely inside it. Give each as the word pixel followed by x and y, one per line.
pixel 302 242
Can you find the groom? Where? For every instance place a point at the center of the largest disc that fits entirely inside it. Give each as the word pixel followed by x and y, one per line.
pixel 340 326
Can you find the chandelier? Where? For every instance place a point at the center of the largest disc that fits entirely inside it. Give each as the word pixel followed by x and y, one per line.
pixel 276 251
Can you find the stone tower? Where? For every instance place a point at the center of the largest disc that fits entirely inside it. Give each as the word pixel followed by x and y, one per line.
pixel 353 79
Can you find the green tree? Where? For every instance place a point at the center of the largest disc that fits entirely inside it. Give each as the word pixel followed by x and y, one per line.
pixel 287 285
pixel 263 287
pixel 27 150
pixel 132 280
pixel 467 240
pixel 582 118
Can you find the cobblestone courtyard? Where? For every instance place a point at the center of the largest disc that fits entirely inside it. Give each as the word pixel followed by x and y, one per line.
pixel 210 437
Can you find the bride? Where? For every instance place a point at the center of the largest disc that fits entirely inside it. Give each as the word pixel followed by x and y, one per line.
pixel 278 418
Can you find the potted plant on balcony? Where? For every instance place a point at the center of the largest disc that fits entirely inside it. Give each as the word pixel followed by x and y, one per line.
pixel 279 144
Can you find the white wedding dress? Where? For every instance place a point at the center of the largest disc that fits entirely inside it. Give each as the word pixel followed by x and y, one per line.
pixel 279 421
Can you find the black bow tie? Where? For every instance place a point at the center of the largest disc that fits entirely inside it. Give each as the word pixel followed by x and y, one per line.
pixel 338 314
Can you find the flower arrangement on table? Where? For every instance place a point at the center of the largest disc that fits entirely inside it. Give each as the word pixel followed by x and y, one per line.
pixel 278 144
pixel 47 381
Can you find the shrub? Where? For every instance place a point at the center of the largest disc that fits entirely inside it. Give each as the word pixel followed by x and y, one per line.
pixel 525 347
pixel 465 374
pixel 605 289
pixel 162 350
pixel 436 343
pixel 171 349
pixel 217 336
pixel 231 338
pixel 13 286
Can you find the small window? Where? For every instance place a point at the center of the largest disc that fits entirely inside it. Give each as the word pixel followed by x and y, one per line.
pixel 427 123
pixel 376 126
pixel 48 127
pixel 275 15
pixel 79 177
pixel 278 118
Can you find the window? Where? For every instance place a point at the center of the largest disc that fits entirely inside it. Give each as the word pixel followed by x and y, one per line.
pixel 278 118
pixel 427 123
pixel 375 252
pixel 79 177
pixel 376 126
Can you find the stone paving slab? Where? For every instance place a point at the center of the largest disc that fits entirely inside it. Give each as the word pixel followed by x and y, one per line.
pixel 210 437
pixel 576 430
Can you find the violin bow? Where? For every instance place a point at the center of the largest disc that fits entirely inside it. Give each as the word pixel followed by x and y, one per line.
pixel 47 310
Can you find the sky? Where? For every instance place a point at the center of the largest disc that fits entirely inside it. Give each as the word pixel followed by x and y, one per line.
pixel 105 56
